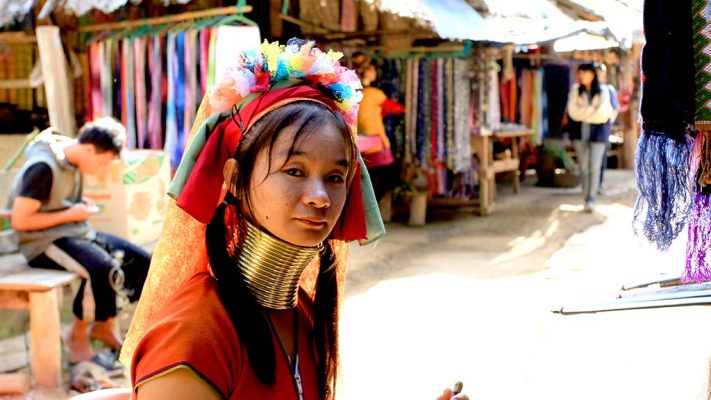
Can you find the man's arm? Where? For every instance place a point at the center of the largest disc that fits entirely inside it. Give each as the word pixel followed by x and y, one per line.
pixel 26 215
pixel 35 187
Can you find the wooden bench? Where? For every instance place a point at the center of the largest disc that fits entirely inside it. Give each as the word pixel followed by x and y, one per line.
pixel 37 290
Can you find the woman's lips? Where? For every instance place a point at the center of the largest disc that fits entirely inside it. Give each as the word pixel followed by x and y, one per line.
pixel 312 222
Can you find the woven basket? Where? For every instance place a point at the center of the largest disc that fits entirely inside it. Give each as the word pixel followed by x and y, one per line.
pixel 326 13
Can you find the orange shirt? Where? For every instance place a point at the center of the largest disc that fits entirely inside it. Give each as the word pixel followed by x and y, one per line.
pixel 370 114
pixel 194 331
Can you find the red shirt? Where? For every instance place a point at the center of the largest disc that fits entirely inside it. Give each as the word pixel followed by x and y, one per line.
pixel 193 330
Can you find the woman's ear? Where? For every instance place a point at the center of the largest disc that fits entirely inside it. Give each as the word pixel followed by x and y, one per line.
pixel 229 172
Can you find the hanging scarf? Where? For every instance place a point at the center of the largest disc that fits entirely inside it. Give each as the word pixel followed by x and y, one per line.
pixel 698 259
pixel 128 87
pixel 139 47
pixel 171 122
pixel 155 110
pixel 107 78
pixel 667 111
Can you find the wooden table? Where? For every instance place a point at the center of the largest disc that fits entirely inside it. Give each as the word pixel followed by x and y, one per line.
pixel 482 145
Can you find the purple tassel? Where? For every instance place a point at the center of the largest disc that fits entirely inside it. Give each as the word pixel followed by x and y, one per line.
pixel 665 187
pixel 697 264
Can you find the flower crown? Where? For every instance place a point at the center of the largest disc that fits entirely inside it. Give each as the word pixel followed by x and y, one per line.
pixel 257 71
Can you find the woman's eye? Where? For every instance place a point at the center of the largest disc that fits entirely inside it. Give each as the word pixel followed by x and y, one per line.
pixel 336 179
pixel 294 172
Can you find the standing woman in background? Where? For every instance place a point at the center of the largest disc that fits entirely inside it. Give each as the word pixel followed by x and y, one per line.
pixel 590 110
pixel 373 141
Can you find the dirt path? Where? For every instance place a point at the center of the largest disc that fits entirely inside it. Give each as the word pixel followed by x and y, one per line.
pixel 470 299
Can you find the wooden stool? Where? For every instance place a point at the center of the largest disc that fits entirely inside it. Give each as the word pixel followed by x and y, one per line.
pixel 23 288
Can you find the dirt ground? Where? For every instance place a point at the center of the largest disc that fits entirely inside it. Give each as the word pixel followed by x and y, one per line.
pixel 469 298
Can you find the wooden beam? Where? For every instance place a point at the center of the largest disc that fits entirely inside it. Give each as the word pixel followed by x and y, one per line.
pixel 212 12
pixel 15 84
pixel 305 24
pixel 16 38
pixel 57 85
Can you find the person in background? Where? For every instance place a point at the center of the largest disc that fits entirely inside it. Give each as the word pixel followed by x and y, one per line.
pixel 602 77
pixel 50 217
pixel 590 110
pixel 373 141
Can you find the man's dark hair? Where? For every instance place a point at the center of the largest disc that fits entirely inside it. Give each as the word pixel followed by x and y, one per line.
pixel 105 134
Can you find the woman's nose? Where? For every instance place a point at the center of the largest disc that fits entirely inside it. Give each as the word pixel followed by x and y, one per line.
pixel 315 194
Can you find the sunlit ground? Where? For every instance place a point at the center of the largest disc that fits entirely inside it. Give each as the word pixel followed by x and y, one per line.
pixel 408 337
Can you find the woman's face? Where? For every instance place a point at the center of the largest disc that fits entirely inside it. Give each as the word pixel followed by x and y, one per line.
pixel 301 197
pixel 586 77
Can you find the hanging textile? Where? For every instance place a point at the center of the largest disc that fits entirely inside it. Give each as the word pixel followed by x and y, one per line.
pixel 494 100
pixel 139 47
pixel 171 122
pixel 107 79
pixel 698 249
pixel 663 151
pixel 462 134
pixel 155 111
pixel 128 110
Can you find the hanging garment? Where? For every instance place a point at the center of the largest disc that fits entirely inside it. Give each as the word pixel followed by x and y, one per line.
pixel 493 100
pixel 128 87
pixel 96 58
pixel 698 248
pixel 107 78
pixel 462 135
pixel 442 122
pixel 171 122
pixel 191 85
pixel 155 109
pixel 141 99
pixel 204 60
pixel 667 110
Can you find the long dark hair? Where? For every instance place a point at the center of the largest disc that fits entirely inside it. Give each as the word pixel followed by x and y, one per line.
pixel 595 86
pixel 247 316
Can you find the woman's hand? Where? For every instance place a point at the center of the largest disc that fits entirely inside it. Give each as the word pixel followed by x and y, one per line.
pixel 447 394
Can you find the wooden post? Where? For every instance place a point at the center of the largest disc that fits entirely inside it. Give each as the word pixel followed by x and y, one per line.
pixel 57 84
pixel 418 209
pixel 45 346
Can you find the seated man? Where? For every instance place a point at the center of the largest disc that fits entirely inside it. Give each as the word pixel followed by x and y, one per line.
pixel 50 217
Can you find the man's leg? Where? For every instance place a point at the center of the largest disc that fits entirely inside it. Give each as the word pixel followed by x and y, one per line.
pixel 135 263
pixel 96 300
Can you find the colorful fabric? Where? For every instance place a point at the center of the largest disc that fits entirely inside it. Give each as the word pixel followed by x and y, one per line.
pixel 667 110
pixel 171 122
pixel 128 110
pixel 96 58
pixel 139 47
pixel 176 339
pixel 107 79
pixel 155 110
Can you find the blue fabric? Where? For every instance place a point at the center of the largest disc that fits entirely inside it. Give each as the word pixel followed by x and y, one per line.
pixel 180 96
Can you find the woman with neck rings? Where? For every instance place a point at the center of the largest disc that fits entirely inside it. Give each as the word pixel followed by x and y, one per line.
pixel 275 175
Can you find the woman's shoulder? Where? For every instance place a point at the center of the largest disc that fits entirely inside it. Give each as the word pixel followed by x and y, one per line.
pixel 192 330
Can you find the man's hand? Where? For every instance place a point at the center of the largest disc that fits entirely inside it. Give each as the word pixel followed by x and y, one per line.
pixel 80 212
pixel 26 215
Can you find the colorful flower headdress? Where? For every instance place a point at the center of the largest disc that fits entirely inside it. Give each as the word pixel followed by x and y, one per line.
pixel 275 64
